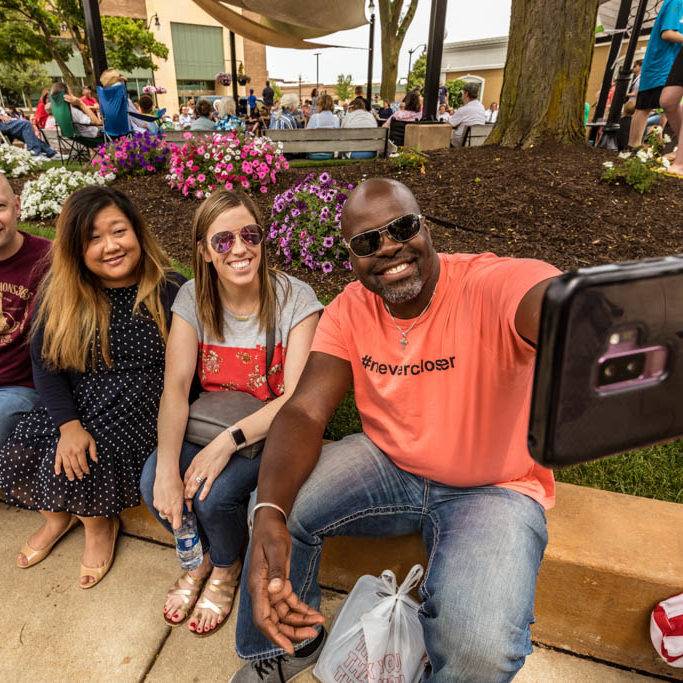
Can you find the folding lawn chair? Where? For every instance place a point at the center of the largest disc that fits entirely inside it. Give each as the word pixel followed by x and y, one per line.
pixel 72 147
pixel 114 111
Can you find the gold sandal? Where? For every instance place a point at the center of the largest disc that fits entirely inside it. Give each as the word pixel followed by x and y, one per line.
pixel 188 596
pixel 98 572
pixel 34 556
pixel 223 593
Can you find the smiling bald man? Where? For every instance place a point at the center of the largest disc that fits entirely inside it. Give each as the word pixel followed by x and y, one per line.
pixel 439 349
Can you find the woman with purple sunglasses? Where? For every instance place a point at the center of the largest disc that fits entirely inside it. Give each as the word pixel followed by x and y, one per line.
pixel 219 333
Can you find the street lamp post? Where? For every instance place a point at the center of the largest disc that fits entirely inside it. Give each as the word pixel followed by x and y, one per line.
pixel 437 27
pixel 371 51
pixel 317 70
pixel 93 29
pixel 157 25
pixel 410 55
pixel 300 100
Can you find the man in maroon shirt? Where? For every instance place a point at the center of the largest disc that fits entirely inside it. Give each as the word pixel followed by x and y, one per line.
pixel 23 263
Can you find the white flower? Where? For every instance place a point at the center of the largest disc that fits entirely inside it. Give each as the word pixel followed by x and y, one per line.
pixel 625 155
pixel 665 162
pixel 44 197
pixel 642 155
pixel 667 139
pixel 608 164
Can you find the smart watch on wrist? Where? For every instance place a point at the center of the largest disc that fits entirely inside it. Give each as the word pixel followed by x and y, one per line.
pixel 238 437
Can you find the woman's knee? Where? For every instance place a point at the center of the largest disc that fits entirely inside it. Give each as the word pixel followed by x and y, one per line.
pixel 147 479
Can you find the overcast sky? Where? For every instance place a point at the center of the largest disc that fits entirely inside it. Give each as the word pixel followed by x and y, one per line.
pixel 464 21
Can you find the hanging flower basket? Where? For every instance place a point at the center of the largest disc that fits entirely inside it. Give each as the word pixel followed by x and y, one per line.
pixel 243 80
pixel 152 89
pixel 223 79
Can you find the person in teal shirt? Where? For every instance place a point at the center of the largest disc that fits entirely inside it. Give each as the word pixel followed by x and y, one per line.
pixel 662 49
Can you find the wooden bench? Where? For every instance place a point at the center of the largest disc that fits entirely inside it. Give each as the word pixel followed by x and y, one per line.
pixel 609 560
pixel 475 136
pixel 309 140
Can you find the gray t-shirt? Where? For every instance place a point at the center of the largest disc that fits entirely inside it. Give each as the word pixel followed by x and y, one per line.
pixel 238 363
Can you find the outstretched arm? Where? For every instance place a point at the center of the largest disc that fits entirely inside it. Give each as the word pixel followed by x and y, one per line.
pixel 291 452
pixel 528 316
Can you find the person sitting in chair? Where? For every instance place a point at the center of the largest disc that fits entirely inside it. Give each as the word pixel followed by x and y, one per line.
pixel 471 113
pixel 87 124
pixel 21 129
pixel 203 122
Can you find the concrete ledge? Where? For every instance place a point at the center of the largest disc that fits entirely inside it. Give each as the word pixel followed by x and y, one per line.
pixel 610 558
pixel 427 136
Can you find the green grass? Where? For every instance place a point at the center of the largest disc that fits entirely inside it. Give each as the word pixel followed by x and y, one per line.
pixel 70 165
pixel 655 472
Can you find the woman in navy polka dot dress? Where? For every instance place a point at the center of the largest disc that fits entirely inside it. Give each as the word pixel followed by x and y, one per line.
pixel 98 362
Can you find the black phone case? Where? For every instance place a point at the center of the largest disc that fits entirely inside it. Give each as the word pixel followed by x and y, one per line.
pixel 571 421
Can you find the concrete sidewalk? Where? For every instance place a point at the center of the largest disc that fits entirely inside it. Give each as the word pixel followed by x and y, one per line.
pixel 54 631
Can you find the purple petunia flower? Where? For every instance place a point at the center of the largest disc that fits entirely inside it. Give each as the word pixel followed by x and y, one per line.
pixel 328 242
pixel 327 267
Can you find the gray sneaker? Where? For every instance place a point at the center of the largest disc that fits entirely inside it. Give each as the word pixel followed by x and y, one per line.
pixel 277 669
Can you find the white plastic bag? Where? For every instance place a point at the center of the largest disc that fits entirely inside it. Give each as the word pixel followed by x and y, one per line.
pixel 377 636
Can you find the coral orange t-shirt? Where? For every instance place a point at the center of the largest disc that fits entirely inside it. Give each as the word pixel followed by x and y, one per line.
pixel 453 405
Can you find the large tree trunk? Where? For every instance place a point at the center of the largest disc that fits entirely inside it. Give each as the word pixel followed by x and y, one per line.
pixel 549 58
pixel 393 27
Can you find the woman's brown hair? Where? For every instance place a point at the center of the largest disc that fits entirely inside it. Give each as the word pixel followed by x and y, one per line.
pixel 412 101
pixel 326 103
pixel 73 308
pixel 209 306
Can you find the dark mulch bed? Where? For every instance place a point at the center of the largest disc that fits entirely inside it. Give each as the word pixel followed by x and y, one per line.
pixel 546 203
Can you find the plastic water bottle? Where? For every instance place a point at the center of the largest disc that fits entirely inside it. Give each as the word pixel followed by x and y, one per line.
pixel 187 542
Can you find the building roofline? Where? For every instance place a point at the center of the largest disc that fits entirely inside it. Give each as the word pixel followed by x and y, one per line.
pixel 479 42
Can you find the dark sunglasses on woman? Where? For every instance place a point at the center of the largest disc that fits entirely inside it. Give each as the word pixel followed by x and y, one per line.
pixel 223 242
pixel 401 229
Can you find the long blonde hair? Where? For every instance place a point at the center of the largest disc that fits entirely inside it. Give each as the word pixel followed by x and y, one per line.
pixel 73 309
pixel 209 306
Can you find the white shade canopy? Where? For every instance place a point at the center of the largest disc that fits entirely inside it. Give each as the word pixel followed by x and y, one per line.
pixel 287 23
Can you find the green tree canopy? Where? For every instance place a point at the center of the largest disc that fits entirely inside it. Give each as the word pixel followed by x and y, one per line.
pixel 343 87
pixel 18 81
pixel 417 75
pixel 45 30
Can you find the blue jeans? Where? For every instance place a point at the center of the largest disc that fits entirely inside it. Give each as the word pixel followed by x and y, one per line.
pixel 13 402
pixel 222 516
pixel 484 544
pixel 22 129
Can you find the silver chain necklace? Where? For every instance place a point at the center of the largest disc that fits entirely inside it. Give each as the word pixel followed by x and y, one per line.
pixel 404 333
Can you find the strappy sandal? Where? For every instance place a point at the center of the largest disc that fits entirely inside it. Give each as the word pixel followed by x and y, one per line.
pixel 34 556
pixel 98 573
pixel 222 598
pixel 187 595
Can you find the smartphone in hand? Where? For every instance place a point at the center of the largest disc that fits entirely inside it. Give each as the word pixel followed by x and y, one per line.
pixel 609 365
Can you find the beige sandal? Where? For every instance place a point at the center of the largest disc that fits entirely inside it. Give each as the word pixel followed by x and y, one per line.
pixel 98 572
pixel 34 556
pixel 187 595
pixel 222 592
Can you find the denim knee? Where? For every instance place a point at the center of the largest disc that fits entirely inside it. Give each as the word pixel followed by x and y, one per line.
pixel 147 478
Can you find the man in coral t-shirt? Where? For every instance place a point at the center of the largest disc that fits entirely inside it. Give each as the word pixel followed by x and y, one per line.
pixel 439 349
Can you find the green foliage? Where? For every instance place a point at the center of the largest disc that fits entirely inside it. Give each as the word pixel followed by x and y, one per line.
pixel 417 75
pixel 634 171
pixel 130 44
pixel 343 87
pixel 277 91
pixel 32 29
pixel 408 158
pixel 455 92
pixel 22 78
